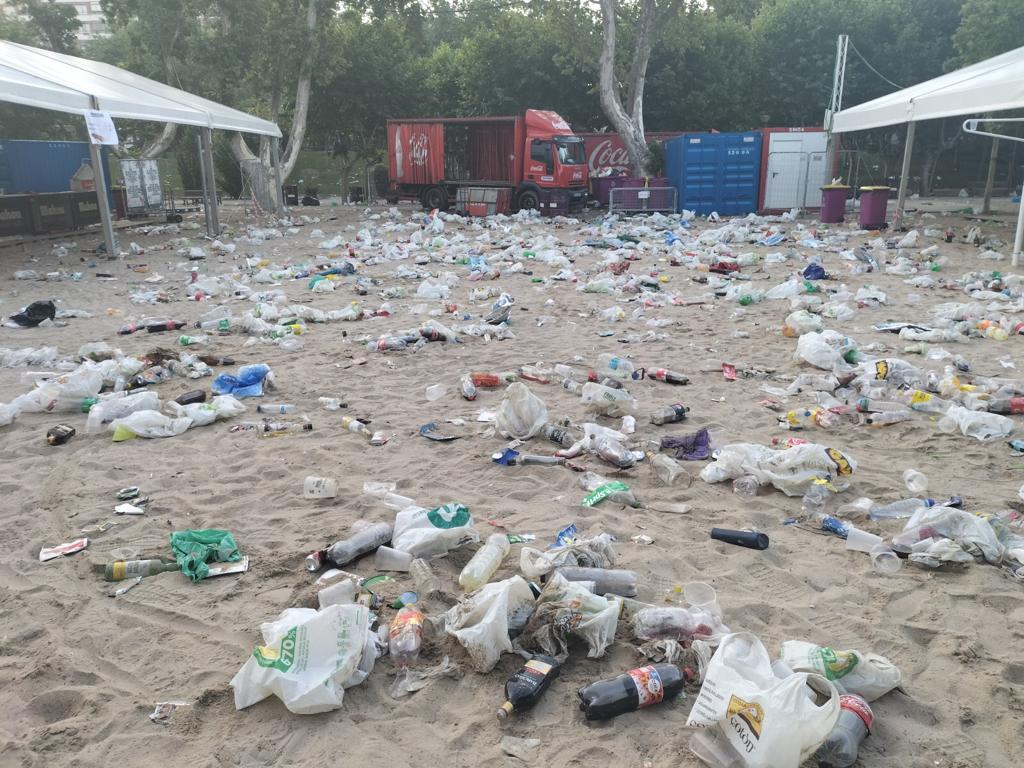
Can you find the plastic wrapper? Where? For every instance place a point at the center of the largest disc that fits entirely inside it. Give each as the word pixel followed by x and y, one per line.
pixel 308 659
pixel 971 533
pixel 791 470
pixel 565 610
pixel 483 622
pixel 428 533
pixel 977 424
pixel 770 722
pixel 521 414
pixel 865 674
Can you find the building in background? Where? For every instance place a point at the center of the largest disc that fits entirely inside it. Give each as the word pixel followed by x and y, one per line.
pixel 90 15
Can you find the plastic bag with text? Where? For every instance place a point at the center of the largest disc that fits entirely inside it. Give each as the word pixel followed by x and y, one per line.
pixel 770 722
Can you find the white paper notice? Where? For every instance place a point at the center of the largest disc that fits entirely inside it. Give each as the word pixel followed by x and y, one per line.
pixel 101 128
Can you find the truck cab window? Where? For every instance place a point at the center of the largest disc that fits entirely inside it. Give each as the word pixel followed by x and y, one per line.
pixel 540 152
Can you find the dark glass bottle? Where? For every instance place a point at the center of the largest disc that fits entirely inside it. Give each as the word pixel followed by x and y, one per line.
pixel 526 686
pixel 636 689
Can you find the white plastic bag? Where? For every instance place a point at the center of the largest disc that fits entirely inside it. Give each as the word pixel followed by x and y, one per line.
pixel 202 414
pixel 979 425
pixel 148 424
pixel 865 674
pixel 770 722
pixel 791 470
pixel 119 407
pixel 430 533
pixel 308 659
pixel 971 533
pixel 521 414
pixel 482 621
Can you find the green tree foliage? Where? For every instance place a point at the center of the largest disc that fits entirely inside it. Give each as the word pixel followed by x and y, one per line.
pixel 43 24
pixel 987 28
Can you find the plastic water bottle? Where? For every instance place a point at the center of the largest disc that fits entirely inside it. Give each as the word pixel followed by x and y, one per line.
pixel 917 482
pixel 606 580
pixel 668 470
pixel 898 510
pixel 841 747
pixel 405 636
pixel 484 563
pixel 276 408
pixel 616 366
pixel 423 577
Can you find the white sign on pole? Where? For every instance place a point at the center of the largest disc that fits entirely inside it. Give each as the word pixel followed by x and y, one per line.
pixel 101 128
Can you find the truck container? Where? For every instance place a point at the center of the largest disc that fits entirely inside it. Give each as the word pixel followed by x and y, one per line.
pixel 535 155
pixel 718 172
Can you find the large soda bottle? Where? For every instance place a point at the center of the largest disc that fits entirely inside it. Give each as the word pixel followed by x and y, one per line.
pixel 667 376
pixel 484 563
pixel 854 723
pixel 365 540
pixel 405 636
pixel 526 686
pixel 636 689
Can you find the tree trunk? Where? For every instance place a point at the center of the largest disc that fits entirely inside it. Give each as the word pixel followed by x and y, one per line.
pixel 256 169
pixel 162 143
pixel 630 125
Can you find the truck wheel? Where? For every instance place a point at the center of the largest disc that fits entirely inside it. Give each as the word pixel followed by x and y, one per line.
pixel 528 200
pixel 435 197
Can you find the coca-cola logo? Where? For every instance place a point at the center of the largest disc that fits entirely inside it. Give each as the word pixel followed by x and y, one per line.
pixel 606 155
pixel 419 144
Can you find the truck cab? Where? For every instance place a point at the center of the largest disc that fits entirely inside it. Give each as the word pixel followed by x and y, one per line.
pixel 558 162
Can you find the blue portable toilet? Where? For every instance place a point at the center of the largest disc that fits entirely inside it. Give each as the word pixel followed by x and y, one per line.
pixel 716 171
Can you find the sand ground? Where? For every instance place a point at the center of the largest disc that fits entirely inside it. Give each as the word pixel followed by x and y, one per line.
pixel 81 671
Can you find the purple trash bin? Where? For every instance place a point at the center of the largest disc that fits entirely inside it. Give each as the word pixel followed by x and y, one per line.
pixel 873 203
pixel 833 203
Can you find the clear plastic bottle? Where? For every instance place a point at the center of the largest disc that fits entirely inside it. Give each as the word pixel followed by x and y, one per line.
pixel 607 400
pixel 746 487
pixel 423 577
pixel 189 341
pixel 606 580
pixel 917 482
pixel 615 366
pixel 485 562
pixel 572 385
pixel 405 636
pixel 559 435
pixel 614 452
pixel 668 470
pixel 332 403
pixel 276 408
pixel 843 743
pixel 898 510
pixel 591 481
pixel 883 418
pixel 669 414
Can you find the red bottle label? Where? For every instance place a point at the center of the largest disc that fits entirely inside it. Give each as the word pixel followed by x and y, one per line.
pixel 649 688
pixel 859 707
pixel 1016 405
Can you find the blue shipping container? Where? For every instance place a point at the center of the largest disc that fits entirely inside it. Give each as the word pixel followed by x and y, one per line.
pixel 716 171
pixel 43 166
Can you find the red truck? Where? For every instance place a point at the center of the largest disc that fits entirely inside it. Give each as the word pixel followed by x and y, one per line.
pixel 535 155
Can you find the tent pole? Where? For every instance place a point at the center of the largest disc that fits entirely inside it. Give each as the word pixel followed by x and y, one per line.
pixel 202 179
pixel 213 221
pixel 102 200
pixel 990 181
pixel 275 155
pixel 1018 241
pixel 901 199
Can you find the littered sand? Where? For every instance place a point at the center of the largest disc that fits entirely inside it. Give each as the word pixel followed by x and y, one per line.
pixel 81 671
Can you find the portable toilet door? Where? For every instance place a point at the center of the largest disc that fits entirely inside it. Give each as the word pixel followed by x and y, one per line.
pixel 794 169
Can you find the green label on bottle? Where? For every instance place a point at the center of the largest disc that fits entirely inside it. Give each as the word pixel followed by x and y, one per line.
pixel 602 492
pixel 835 664
pixel 449 516
pixel 278 659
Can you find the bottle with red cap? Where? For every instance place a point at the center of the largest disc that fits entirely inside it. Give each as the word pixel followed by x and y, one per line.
pixel 854 723
pixel 667 376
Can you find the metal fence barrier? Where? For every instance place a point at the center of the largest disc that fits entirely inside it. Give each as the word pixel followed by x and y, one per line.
pixel 642 200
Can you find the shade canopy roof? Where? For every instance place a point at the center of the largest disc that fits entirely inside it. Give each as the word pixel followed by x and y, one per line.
pixel 48 80
pixel 992 85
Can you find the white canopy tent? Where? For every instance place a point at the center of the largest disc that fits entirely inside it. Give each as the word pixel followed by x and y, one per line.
pixel 54 81
pixel 993 85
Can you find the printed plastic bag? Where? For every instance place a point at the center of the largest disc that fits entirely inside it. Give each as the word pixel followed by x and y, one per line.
pixel 248 382
pixel 864 674
pixel 770 722
pixel 148 424
pixel 430 533
pixel 567 609
pixel 521 414
pixel 308 659
pixel 791 470
pixel 482 622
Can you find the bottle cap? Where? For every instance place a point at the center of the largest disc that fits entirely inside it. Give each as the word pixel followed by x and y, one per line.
pixel 505 710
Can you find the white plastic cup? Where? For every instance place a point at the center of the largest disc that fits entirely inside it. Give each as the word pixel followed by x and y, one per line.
pixel 862 541
pixel 916 482
pixel 885 560
pixel 702 597
pixel 388 559
pixel 319 487
pixel 436 392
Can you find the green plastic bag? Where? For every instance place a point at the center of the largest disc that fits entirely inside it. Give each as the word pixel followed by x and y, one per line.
pixel 194 549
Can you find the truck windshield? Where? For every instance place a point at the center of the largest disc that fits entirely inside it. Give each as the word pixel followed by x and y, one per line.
pixel 570 150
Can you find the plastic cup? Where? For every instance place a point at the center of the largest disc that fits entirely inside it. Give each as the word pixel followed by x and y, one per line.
pixel 319 487
pixel 862 541
pixel 702 597
pixel 436 391
pixel 885 560
pixel 388 559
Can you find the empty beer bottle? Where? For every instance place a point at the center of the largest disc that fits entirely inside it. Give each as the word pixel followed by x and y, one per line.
pixel 130 569
pixel 526 686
